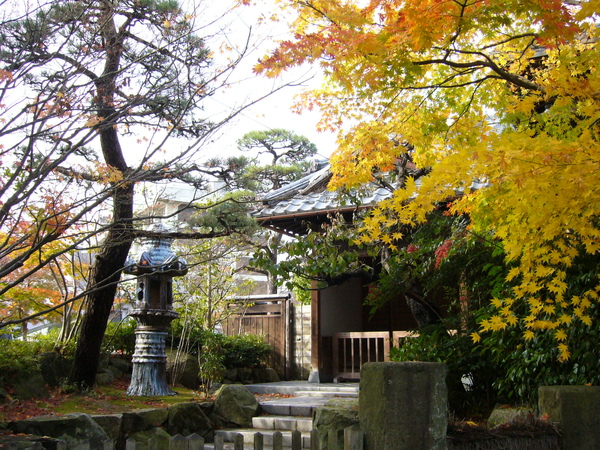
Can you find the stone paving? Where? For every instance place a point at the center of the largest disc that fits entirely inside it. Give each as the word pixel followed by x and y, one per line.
pixel 289 413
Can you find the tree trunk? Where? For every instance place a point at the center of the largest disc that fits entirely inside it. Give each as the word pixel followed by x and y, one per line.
pixel 109 262
pixel 107 267
pixel 104 279
pixel 274 244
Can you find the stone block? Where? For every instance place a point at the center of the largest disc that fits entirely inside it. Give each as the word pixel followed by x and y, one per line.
pixel 110 423
pixel 188 418
pixel 184 370
pixel 79 431
pixel 236 405
pixel 333 418
pixel 575 410
pixel 143 419
pixel 122 364
pixel 505 414
pixel 104 376
pixel 403 405
pixel 54 368
pixel 31 387
pixel 142 438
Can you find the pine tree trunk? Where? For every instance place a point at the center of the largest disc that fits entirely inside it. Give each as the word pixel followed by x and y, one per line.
pixel 104 279
pixel 109 262
pixel 106 269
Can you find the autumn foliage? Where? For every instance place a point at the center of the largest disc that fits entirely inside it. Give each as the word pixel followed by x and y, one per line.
pixel 499 100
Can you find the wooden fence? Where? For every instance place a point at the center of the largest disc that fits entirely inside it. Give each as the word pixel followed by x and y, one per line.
pixel 266 316
pixel 353 439
pixel 352 350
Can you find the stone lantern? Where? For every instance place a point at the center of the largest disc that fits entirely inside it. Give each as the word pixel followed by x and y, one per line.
pixel 153 312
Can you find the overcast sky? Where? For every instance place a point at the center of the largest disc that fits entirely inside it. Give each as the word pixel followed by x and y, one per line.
pixel 274 112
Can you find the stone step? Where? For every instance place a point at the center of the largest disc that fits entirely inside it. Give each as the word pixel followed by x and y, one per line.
pixel 297 406
pixel 248 433
pixel 231 446
pixel 328 394
pixel 282 423
pixel 291 388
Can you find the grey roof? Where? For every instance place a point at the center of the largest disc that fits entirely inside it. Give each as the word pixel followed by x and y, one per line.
pixel 306 203
pixel 315 202
pixel 291 208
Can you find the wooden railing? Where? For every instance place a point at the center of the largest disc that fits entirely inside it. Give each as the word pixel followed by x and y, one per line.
pixel 399 336
pixel 352 350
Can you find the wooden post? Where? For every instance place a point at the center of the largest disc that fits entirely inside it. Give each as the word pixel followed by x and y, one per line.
pixel 130 444
pixel 258 441
pixel 353 438
pixel 315 335
pixel 218 442
pixel 332 440
pixel 108 445
pixel 314 439
pixel 238 442
pixel 296 440
pixel 287 358
pixel 153 443
pixel 277 440
pixel 60 445
pixel 177 442
pixel 195 442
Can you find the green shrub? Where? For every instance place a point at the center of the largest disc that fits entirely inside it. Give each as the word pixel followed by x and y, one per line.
pixel 527 365
pixel 212 368
pixel 120 337
pixel 17 358
pixel 245 350
pixel 194 336
pixel 464 361
pixel 503 366
pixel 49 342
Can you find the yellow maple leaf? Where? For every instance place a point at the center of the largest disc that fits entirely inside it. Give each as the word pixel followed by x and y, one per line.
pixel 565 354
pixel 560 335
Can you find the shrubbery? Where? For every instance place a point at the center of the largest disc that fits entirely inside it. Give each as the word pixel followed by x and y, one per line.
pixel 120 337
pixel 20 358
pixel 529 364
pixel 471 373
pixel 245 350
pixel 504 367
pixel 17 358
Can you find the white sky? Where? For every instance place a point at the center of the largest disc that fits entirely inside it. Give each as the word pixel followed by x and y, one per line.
pixel 274 112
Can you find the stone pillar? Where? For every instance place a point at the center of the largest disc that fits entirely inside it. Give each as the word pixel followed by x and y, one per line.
pixel 575 410
pixel 403 405
pixel 149 377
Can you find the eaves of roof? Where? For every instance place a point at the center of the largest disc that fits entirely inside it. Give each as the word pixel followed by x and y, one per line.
pixel 292 208
pixel 319 203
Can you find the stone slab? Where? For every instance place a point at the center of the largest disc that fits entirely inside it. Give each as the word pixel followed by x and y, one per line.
pixel 403 405
pixel 576 412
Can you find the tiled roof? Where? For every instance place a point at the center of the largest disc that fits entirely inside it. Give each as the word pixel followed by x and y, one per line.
pixel 318 202
pixel 294 208
pixel 291 207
